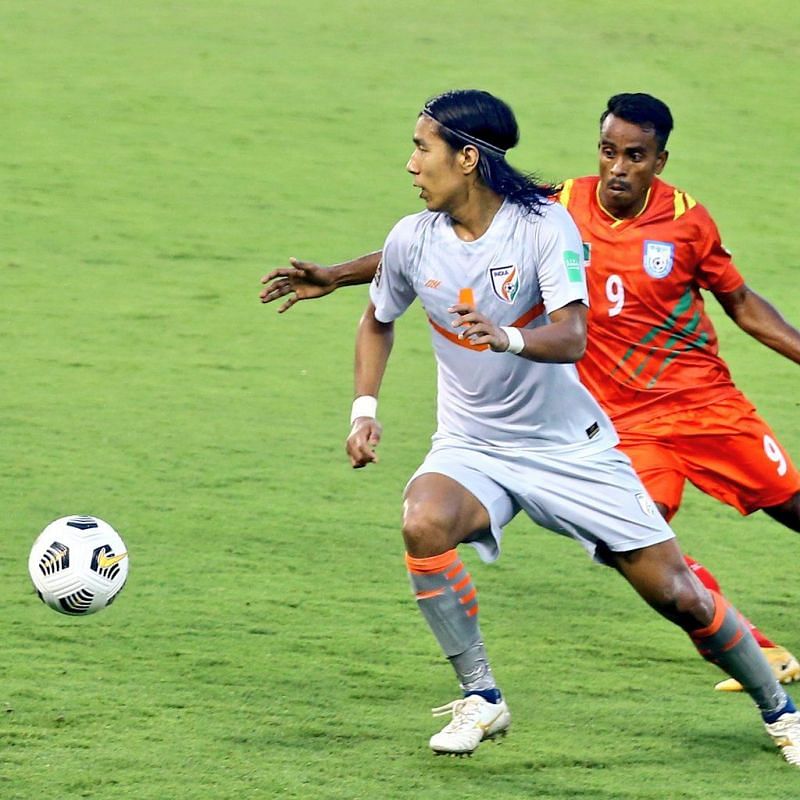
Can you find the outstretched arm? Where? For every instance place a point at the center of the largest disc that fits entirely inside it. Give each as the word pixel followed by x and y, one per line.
pixel 373 345
pixel 304 280
pixel 758 317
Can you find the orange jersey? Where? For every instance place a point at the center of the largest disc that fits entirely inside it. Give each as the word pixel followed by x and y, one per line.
pixel 652 348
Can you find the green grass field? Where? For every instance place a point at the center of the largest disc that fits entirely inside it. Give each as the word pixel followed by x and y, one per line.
pixel 157 158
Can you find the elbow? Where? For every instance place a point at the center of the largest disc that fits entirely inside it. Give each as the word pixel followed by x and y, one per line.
pixel 568 352
pixel 576 344
pixel 570 333
pixel 578 350
pixel 370 324
pixel 575 351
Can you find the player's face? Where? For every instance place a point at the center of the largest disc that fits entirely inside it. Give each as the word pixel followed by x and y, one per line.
pixel 435 167
pixel 629 160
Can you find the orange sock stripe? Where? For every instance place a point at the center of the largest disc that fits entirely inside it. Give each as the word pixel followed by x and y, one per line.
pixel 734 640
pixel 468 598
pixel 463 583
pixel 721 605
pixel 459 567
pixel 425 566
pixel 471 612
pixel 430 594
pixel 712 655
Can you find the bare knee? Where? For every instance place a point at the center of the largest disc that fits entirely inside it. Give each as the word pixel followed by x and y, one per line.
pixel 660 575
pixel 684 600
pixel 426 531
pixel 439 514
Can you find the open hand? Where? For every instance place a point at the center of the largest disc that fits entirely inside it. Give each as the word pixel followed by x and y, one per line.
pixel 302 281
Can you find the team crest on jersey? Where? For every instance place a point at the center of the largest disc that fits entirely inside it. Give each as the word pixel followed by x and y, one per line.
pixel 646 504
pixel 376 278
pixel 587 253
pixel 658 258
pixel 505 282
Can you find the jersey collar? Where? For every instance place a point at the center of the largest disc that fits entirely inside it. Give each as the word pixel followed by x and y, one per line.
pixel 616 220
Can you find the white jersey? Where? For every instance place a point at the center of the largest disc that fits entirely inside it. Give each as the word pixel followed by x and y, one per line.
pixel 522 268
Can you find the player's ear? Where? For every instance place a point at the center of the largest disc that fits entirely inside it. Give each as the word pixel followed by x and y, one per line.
pixel 661 161
pixel 468 157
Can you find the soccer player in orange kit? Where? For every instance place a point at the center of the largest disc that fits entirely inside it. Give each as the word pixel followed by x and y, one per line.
pixel 652 354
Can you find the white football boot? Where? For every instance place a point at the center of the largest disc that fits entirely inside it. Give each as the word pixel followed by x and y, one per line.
pixel 474 719
pixel 785 732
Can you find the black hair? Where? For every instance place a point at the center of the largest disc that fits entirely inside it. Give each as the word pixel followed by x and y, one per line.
pixel 472 116
pixel 643 110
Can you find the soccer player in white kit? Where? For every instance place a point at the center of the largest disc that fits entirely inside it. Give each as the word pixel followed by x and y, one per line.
pixel 498 269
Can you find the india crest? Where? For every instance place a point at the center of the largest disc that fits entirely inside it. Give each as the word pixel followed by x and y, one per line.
pixel 658 258
pixel 505 282
pixel 646 504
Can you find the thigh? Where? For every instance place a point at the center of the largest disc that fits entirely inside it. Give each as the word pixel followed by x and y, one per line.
pixel 731 453
pixel 477 505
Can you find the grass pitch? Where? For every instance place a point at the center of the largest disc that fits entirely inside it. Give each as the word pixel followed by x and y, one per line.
pixel 157 159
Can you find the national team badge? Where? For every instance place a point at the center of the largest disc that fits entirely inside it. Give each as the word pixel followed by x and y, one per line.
pixel 505 282
pixel 646 504
pixel 658 258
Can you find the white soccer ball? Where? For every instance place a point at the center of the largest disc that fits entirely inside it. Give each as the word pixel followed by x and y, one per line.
pixel 78 565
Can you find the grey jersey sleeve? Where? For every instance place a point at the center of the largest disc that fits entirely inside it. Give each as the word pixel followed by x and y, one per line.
pixel 562 278
pixel 391 290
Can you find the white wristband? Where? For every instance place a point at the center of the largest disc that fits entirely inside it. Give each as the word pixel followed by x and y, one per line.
pixel 363 406
pixel 516 344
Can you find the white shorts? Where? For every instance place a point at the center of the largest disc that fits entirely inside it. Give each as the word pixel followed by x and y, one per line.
pixel 593 498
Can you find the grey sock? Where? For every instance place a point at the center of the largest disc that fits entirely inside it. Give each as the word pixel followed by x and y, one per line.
pixel 732 648
pixel 449 603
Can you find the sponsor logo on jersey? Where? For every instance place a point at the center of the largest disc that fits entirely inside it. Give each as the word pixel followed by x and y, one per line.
pixel 587 253
pixel 505 282
pixel 647 505
pixel 572 261
pixel 658 258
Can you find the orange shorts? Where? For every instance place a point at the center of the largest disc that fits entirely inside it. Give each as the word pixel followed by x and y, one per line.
pixel 725 449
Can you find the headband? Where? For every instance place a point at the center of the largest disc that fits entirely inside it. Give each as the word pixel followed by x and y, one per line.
pixel 479 143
